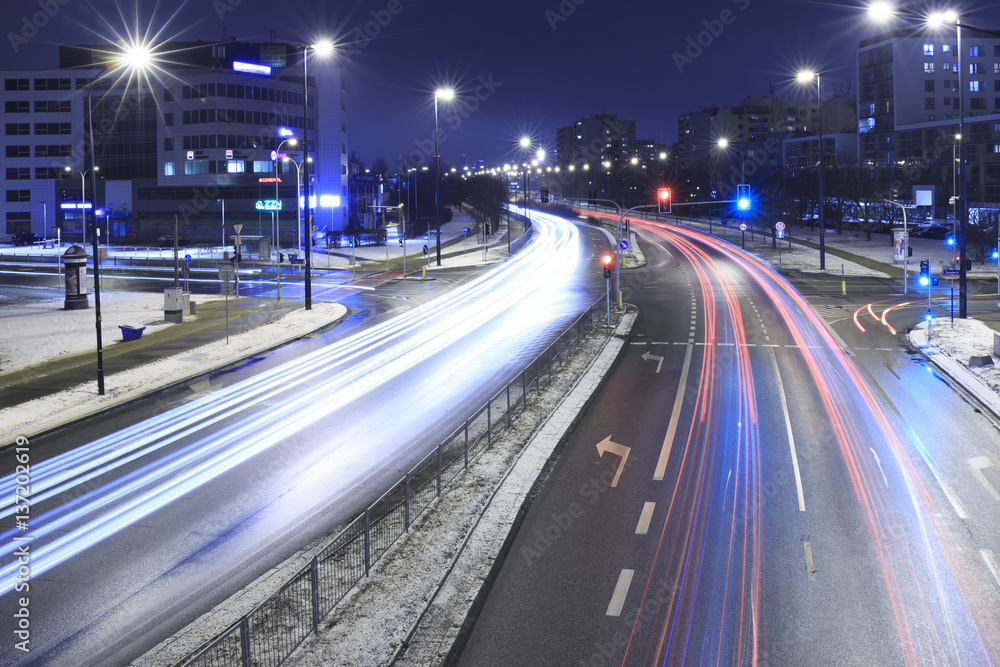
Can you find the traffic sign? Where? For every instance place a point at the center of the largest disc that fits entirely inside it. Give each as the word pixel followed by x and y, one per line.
pixel 465 230
pixel 425 250
pixel 624 244
pixel 743 226
pixel 780 226
pixel 226 273
pixel 187 258
pixel 781 234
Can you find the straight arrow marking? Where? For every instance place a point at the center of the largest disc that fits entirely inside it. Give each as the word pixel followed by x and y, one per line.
pixel 659 360
pixel 618 450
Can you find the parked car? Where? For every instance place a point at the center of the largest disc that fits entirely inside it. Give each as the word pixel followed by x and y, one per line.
pixel 26 238
pixel 167 241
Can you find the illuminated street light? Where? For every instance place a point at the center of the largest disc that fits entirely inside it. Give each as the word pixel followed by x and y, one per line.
pixel 446 95
pixel 805 77
pixel 322 47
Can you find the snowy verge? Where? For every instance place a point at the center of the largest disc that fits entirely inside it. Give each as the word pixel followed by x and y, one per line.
pixel 54 410
pixel 951 346
pixel 69 332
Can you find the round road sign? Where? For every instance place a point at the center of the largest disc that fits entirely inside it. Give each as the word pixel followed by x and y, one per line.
pixel 226 273
pixel 465 230
pixel 624 244
pixel 187 258
pixel 743 226
pixel 780 226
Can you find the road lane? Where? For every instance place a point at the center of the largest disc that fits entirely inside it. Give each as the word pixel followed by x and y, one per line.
pixel 777 417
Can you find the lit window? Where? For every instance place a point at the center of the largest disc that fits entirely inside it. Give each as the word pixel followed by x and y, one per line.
pixel 945 48
pixel 263 166
pixel 928 68
pixel 168 168
pixel 973 51
pixel 973 86
pixel 928 49
pixel 235 166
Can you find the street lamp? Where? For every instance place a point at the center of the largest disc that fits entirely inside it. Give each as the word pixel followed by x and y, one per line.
pixel 445 94
pixel 882 12
pixel 298 197
pixel 135 58
pixel 322 48
pixel 524 143
pixel 83 195
pixel 806 76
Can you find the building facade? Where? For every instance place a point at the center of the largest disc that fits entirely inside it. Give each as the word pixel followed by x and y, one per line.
pixel 908 110
pixel 198 139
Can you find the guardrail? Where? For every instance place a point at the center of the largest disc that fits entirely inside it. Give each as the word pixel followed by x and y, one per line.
pixel 268 634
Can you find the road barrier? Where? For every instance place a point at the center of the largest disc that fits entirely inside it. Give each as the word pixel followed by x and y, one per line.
pixel 268 634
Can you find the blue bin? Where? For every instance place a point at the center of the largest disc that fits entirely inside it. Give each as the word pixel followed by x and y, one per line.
pixel 130 332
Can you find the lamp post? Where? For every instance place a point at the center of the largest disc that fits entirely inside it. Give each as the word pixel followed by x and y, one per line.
pixel 883 11
pixel 954 183
pixel 298 197
pixel 445 94
pixel 134 58
pixel 83 195
pixel 805 77
pixel 524 143
pixel 322 47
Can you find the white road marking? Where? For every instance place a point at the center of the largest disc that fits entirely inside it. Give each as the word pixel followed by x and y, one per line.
pixel 668 440
pixel 979 464
pixel 791 438
pixel 621 590
pixel 991 562
pixel 644 518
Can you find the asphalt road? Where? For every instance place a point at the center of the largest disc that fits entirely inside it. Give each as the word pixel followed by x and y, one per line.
pixel 788 496
pixel 312 433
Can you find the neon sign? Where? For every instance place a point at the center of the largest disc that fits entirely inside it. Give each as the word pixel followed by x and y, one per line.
pixel 268 205
pixel 251 68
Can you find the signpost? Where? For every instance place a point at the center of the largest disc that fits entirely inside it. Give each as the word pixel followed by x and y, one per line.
pixel 424 274
pixel 743 235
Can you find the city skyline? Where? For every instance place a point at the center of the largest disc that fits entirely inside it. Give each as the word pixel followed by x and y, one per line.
pixel 534 70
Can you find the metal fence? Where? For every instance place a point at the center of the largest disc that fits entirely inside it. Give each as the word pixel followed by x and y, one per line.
pixel 525 236
pixel 267 635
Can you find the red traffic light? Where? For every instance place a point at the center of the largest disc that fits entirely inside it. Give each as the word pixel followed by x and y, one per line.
pixel 607 259
pixel 663 199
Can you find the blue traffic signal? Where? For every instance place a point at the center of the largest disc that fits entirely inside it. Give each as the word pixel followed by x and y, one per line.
pixel 996 254
pixel 950 241
pixel 924 277
pixel 743 197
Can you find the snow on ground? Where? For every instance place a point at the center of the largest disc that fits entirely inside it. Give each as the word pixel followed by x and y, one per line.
pixel 963 339
pixel 37 329
pixel 50 411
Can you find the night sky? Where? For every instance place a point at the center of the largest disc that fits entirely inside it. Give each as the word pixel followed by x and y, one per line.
pixel 520 66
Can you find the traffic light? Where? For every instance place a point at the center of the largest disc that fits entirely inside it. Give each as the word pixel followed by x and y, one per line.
pixel 924 277
pixel 606 262
pixel 592 197
pixel 743 197
pixel 663 199
pixel 545 195
pixel 950 241
pixel 362 204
